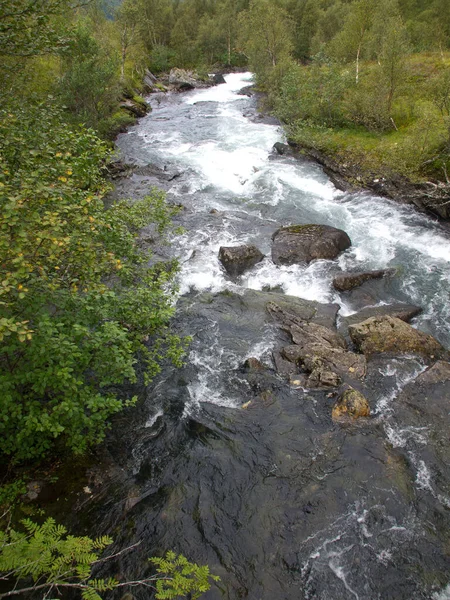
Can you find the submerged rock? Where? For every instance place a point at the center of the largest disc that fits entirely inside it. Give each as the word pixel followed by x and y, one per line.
pixel 347 281
pixel 352 404
pixel 304 243
pixel 389 334
pixel 237 259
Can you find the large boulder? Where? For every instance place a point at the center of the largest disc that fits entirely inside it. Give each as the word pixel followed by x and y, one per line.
pixel 304 243
pixel 237 259
pixel 351 403
pixel 389 334
pixel 347 281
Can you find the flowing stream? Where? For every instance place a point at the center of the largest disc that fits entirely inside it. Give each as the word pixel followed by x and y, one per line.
pixel 278 500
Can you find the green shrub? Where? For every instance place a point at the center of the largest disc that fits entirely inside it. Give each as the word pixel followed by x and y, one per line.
pixel 78 299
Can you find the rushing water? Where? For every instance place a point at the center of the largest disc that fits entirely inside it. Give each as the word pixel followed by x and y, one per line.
pixel 279 501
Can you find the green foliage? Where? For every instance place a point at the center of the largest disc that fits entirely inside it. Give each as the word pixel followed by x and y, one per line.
pixel 89 86
pixel 79 302
pixel 313 94
pixel 46 557
pixel 179 577
pixel 45 554
pixel 10 492
pixel 265 33
pixel 162 58
pixel 30 28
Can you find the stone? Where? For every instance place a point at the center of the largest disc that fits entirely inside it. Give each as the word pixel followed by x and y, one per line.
pixel 281 149
pixel 304 243
pixel 283 367
pixel 405 312
pixel 438 373
pixel 347 281
pixel 351 403
pixel 390 334
pixel 218 78
pixel 252 364
pixel 237 259
pixel 137 109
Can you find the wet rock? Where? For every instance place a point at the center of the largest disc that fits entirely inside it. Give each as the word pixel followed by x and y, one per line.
pixel 218 78
pixel 351 403
pixel 389 334
pixel 237 259
pixel 318 350
pixel 283 367
pixel 321 356
pixel 347 281
pixel 281 149
pixel 248 91
pixel 183 80
pixel 288 311
pixel 304 243
pixel 438 373
pixel 252 364
pixel 135 108
pixel 405 312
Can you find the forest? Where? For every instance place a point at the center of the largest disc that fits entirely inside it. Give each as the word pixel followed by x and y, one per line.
pixel 85 314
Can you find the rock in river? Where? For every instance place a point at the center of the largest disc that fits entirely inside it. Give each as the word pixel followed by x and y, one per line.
pixel 304 243
pixel 347 281
pixel 318 350
pixel 237 259
pixel 351 403
pixel 389 334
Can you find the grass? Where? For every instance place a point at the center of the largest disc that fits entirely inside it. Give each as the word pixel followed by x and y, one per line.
pixel 412 149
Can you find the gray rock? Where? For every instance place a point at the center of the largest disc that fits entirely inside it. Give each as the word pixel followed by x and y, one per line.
pixel 389 334
pixel 252 364
pixel 405 312
pixel 317 349
pixel 282 149
pixel 347 281
pixel 304 243
pixel 218 78
pixel 237 259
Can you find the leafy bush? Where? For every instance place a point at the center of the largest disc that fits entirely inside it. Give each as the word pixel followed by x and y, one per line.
pixel 79 302
pixel 49 559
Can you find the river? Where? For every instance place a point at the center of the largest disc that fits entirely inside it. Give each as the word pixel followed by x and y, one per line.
pixel 279 501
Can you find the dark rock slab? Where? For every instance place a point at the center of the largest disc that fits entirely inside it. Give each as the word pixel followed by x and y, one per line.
pixel 347 281
pixel 237 259
pixel 304 243
pixel 389 334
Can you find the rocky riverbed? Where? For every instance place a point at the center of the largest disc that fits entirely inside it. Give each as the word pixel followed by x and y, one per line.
pixel 301 452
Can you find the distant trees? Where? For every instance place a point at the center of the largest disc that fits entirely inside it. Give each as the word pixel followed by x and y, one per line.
pixel 266 33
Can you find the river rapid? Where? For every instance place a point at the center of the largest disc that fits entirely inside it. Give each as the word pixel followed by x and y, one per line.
pixel 279 501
